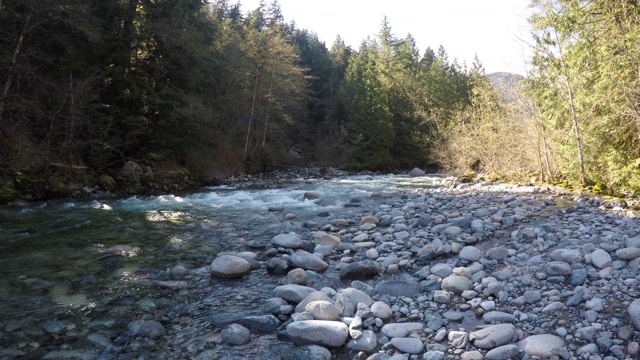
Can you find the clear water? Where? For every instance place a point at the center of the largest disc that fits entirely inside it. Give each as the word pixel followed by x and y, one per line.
pixel 78 258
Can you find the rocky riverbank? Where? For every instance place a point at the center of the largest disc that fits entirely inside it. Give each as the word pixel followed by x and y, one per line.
pixel 449 271
pixel 455 271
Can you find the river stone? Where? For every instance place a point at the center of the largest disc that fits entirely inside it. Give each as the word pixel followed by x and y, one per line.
pixel 323 310
pixel 502 352
pixel 311 195
pixel 498 253
pixel 366 342
pixel 456 284
pixel 543 345
pixel 493 336
pixel 498 317
pixel 363 270
pixel 381 310
pixel 318 332
pixel 293 292
pixel 146 328
pixel 348 300
pixel 398 288
pixel 600 259
pixel 634 313
pixel 629 253
pixel 570 256
pixel 235 334
pixel 308 261
pixel 555 268
pixel 297 276
pixel 229 266
pixel 470 253
pixel 290 241
pixel 369 220
pixel 451 232
pixel 442 270
pixel 400 329
pixel 408 345
pixel 328 239
pixel 70 355
pixel 307 352
pixel 416 172
pixel 314 296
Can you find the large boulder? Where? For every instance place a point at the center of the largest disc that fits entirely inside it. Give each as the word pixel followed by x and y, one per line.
pixel 230 266
pixel 417 172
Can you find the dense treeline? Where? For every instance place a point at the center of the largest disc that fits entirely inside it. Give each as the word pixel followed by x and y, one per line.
pixel 201 87
pixel 576 118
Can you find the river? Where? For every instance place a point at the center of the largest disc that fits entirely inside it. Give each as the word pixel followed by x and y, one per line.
pixel 73 274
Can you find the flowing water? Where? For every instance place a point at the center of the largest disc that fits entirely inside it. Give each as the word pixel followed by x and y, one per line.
pixel 70 264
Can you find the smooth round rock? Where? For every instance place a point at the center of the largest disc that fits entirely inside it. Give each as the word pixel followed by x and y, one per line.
pixel 629 253
pixel 542 345
pixel 381 310
pixel 292 292
pixel 328 239
pixel 366 342
pixel 493 336
pixel 408 345
pixel 323 310
pixel 398 288
pixel 229 267
pixel 503 352
pixel 297 276
pixel 456 284
pixel 561 268
pixel 290 241
pixel 308 261
pixel 235 334
pixel 470 253
pixel 634 313
pixel 400 329
pixel 600 259
pixel 363 270
pixel 318 332
pixel 452 231
pixel 348 299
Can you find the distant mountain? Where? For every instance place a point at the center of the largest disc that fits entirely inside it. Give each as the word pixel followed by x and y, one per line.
pixel 508 85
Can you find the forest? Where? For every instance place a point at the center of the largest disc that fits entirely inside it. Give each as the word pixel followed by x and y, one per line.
pixel 140 95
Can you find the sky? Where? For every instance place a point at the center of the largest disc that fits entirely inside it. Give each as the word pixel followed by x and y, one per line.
pixel 497 30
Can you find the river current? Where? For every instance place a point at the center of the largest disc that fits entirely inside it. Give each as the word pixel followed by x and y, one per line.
pixel 68 267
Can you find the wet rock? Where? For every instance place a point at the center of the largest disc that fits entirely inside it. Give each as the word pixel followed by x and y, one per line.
pixel 257 323
pixel 317 332
pixel 292 292
pixel 146 328
pixel 363 270
pixel 307 352
pixel 235 334
pixel 229 266
pixel 308 261
pixel 277 266
pixel 543 345
pixel 416 172
pixel 289 241
pixel 398 288
pixel 493 336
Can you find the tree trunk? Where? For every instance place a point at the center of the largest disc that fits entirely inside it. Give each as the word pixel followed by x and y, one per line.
pixel 266 120
pixel 253 106
pixel 12 66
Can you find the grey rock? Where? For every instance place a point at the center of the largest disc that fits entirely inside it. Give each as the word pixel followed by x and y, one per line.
pixel 434 355
pixel 290 241
pixel 451 232
pixel 317 332
pixel 543 345
pixel 146 328
pixel 307 352
pixel 442 270
pixel 503 352
pixel 297 276
pixel 323 310
pixel 578 277
pixel 416 172
pixel 381 310
pixel 348 299
pixel 493 336
pixel 498 253
pixel 257 323
pixel 293 292
pixel 408 345
pixel 456 284
pixel 313 296
pixel 570 256
pixel 400 329
pixel 629 253
pixel 363 270
pixel 70 355
pixel 355 328
pixel 463 222
pixel 367 342
pixel 398 288
pixel 600 259
pixel 235 334
pixel 498 317
pixel 470 253
pixel 229 266
pixel 555 268
pixel 634 313
pixel 308 261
